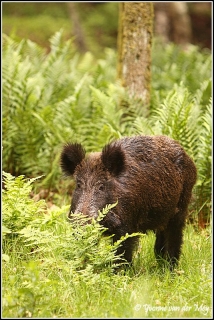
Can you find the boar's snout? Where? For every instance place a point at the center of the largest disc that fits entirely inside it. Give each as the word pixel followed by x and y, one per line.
pixel 84 211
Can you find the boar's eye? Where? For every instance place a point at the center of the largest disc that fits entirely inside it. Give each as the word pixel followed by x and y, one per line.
pixel 101 187
pixel 78 185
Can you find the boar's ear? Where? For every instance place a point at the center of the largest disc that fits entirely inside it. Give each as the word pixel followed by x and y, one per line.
pixel 71 156
pixel 113 158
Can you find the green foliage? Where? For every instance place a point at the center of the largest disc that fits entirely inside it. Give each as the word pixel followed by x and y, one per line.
pixel 56 268
pixel 27 219
pixel 18 208
pixel 49 99
pixel 54 253
pixel 53 267
pixel 186 293
pixel 38 21
pixel 87 249
pixel 190 68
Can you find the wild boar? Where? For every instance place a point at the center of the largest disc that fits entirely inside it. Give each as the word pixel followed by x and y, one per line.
pixel 151 178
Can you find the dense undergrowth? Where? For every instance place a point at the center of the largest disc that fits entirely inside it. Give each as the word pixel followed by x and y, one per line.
pixel 52 268
pixel 49 99
pixel 55 269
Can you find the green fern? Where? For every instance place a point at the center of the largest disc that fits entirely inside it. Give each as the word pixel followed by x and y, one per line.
pixel 58 97
pixel 204 156
pixel 18 209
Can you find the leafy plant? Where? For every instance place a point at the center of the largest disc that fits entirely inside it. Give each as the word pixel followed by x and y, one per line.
pixel 57 268
pixel 19 209
pixel 53 98
pixel 55 252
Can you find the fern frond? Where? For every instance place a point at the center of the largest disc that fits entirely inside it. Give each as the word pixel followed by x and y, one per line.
pixel 204 156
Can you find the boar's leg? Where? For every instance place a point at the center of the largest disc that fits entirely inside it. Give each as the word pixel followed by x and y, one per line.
pixel 168 242
pixel 127 247
pixel 160 244
pixel 174 234
pixel 174 230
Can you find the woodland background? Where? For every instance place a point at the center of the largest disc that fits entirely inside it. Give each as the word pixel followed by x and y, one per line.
pixel 60 83
pixel 95 24
pixel 92 29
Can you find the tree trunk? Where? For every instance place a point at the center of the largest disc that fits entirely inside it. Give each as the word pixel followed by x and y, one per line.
pixel 173 23
pixel 134 48
pixel 77 29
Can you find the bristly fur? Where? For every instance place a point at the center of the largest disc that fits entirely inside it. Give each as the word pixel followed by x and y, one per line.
pixel 151 180
pixel 72 154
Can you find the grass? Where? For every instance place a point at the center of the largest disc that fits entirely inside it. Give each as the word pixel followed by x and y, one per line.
pixel 38 286
pixel 184 293
pixel 55 269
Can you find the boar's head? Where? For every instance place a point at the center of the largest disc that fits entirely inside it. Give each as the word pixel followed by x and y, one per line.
pixel 95 176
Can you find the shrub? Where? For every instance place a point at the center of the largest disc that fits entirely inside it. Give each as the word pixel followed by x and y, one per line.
pixel 50 255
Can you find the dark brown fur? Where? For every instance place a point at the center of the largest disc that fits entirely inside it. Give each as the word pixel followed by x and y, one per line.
pixel 150 177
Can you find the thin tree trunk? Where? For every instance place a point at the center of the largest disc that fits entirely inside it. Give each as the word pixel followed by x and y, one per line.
pixel 134 48
pixel 77 29
pixel 173 23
